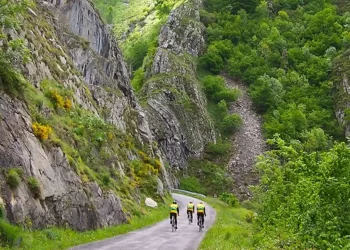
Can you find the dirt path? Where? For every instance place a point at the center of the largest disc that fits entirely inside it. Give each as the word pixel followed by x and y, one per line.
pixel 248 142
pixel 160 236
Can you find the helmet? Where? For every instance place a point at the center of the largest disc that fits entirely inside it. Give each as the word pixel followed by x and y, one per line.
pixel 190 201
pixel 174 202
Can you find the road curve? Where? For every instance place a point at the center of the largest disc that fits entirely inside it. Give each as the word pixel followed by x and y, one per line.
pixel 160 236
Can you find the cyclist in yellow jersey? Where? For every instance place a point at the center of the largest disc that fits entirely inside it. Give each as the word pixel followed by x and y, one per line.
pixel 174 212
pixel 190 208
pixel 201 212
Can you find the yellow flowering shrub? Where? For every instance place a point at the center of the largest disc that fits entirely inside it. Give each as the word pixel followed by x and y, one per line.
pixel 41 131
pixel 67 104
pixel 60 101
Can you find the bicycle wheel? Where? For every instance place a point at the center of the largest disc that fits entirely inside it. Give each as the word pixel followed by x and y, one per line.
pixel 200 224
pixel 189 218
pixel 173 229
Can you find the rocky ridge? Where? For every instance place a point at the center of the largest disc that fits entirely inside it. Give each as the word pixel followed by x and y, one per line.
pixel 175 104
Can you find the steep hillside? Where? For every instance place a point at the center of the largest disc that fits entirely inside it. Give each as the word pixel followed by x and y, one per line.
pixel 76 147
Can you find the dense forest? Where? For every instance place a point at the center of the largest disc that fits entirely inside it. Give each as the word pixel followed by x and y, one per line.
pixel 286 51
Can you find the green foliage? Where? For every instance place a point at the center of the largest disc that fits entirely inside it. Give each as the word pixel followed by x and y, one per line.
pixel 9 235
pixel 230 123
pixel 2 212
pixel 206 176
pixel 229 198
pixel 267 93
pixel 164 7
pixel 14 177
pixel 34 187
pixel 12 52
pixel 192 184
pixel 303 188
pixel 218 149
pixel 212 62
pixel 214 87
pixel 138 79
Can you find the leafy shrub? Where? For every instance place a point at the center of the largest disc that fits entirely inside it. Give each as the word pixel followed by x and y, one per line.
pixel 59 100
pixel 249 217
pixel 192 184
pixel 229 95
pixel 106 179
pixel 34 186
pixel 229 198
pixel 230 123
pixel 41 131
pixel 218 149
pixel 2 212
pixel 50 234
pixel 13 177
pixel 212 62
pixel 216 90
pixel 138 79
pixel 9 234
pixel 222 108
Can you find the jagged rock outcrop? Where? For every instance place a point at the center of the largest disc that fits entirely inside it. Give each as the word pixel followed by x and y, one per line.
pixel 70 45
pixel 176 106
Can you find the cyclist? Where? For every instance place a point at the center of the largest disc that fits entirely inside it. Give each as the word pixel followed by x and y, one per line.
pixel 190 208
pixel 201 212
pixel 174 212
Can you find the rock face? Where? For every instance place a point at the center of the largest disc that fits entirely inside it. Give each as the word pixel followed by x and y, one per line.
pixel 71 46
pixel 176 106
pixel 64 200
pixel 342 93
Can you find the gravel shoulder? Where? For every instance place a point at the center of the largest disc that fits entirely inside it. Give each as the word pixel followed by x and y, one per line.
pixel 160 236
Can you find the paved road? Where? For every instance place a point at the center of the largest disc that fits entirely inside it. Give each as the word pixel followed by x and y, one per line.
pixel 160 236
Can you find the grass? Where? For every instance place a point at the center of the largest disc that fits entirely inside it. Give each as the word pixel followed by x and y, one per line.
pixel 231 229
pixel 56 238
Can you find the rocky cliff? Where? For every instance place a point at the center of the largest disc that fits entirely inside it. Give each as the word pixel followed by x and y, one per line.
pixel 175 104
pixel 75 146
pixel 341 75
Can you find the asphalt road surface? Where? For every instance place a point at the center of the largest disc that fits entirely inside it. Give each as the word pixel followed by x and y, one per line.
pixel 160 236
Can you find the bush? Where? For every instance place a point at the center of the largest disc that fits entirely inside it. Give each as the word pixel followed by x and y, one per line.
pixel 34 186
pixel 2 212
pixel 138 79
pixel 9 234
pixel 41 131
pixel 230 123
pixel 192 184
pixel 229 95
pixel 218 149
pixel 229 198
pixel 13 177
pixel 212 62
pixel 213 85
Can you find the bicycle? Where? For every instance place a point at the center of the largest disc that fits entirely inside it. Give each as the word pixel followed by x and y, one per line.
pixel 173 226
pixel 200 223
pixel 189 217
